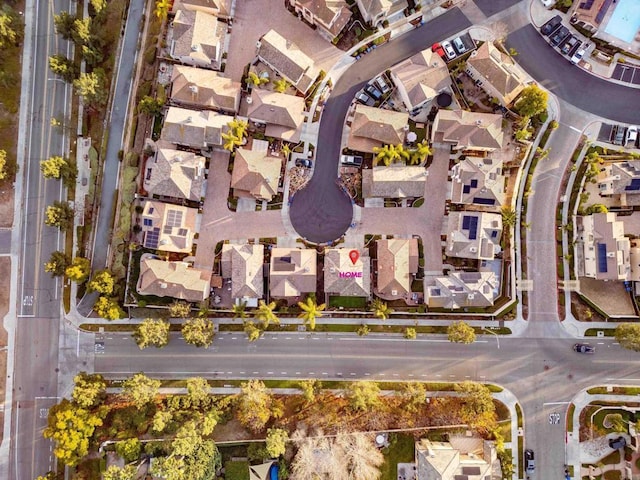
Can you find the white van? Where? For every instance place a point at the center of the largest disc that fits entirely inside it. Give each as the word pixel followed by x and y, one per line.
pixel 632 137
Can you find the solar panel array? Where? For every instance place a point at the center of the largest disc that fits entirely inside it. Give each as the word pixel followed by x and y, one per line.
pixel 634 185
pixel 474 183
pixel 602 257
pixel 174 218
pixel 151 238
pixel 484 201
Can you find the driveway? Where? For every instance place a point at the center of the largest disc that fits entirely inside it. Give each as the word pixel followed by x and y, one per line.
pixel 322 212
pixel 255 18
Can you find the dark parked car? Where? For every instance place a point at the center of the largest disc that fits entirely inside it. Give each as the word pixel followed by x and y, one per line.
pixel 584 348
pixel 617 443
pixel 549 27
pixel 560 36
pixel 529 463
pixel 373 92
pixel 365 99
pixel 304 162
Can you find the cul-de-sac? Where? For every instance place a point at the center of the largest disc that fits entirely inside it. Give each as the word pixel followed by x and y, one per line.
pixel 319 239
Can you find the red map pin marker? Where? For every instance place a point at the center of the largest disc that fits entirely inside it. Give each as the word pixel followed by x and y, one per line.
pixel 354 255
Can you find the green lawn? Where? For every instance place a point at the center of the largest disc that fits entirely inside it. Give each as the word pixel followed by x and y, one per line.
pixel 401 451
pixel 348 302
pixel 236 471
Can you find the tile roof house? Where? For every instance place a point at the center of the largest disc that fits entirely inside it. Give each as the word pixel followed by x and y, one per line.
pixel 621 180
pixel 397 264
pixel 342 277
pixel 496 73
pixel 169 228
pixel 256 174
pixel 454 460
pixel 219 8
pixel 474 235
pixel 375 12
pixel 420 78
pixel 375 127
pixel 175 174
pixel 172 279
pixel 204 89
pixel 394 181
pixel 195 129
pixel 603 252
pixel 462 289
pixel 329 16
pixel 468 130
pixel 283 114
pixel 198 39
pixel 243 264
pixel 287 60
pixel 478 181
pixel 634 260
pixel 292 272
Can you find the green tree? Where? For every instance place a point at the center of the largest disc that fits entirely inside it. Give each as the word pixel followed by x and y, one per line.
pixel 108 308
pixel 209 421
pixel 310 389
pixel 81 31
pixel 114 472
pixel 277 439
pixel 168 468
pixel 523 134
pixel 597 208
pixel 186 440
pixel 198 390
pixel 310 311
pixel 420 153
pixel 70 427
pixel 102 282
pixel 461 332
pixel 509 216
pixel 387 154
pixel 265 315
pixel 60 215
pixel 414 395
pixel 253 332
pixel 64 24
pixel 150 106
pixel 162 8
pixel 280 85
pixel 98 5
pixel 255 405
pixel 160 420
pixel 198 332
pixel 52 167
pixel 363 330
pixel 179 309
pixel 63 66
pixel 8 33
pixel 57 264
pixel 152 333
pixel 478 408
pixel 531 101
pixel 380 309
pixel 91 87
pixel 410 333
pixel 255 81
pixel 230 141
pixel 628 336
pixel 129 449
pixel 3 164
pixel 140 390
pixel 286 151
pixel 617 422
pixel 239 310
pixel 363 395
pixel 79 269
pixel 89 390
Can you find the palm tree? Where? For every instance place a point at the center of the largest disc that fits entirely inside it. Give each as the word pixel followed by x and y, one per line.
pixel 402 153
pixel 239 310
pixel 508 216
pixel 230 141
pixel 254 80
pixel 281 85
pixel 420 154
pixel 162 8
pixel 310 311
pixel 286 149
pixel 238 127
pixel 386 154
pixel 264 314
pixel 380 309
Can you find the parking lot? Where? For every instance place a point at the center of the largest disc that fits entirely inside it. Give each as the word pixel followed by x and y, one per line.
pixel 627 73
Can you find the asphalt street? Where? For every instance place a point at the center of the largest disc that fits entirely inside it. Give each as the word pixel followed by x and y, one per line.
pixel 37 330
pixel 322 212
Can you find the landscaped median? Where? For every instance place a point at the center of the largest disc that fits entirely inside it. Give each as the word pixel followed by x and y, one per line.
pixel 193 427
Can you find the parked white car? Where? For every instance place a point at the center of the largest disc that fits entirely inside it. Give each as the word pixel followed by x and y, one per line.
pixel 632 136
pixel 548 3
pixel 577 57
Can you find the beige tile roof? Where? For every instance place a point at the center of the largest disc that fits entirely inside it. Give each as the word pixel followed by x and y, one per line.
pixel 421 78
pixel 197 38
pixel 394 181
pixel 204 88
pixel 168 227
pixel 491 66
pixel 172 279
pixel 374 127
pixel 478 181
pixel 255 173
pixel 175 174
pixel 474 235
pixel 331 15
pixel 293 272
pixel 288 60
pixel 242 263
pixel 462 289
pixel 470 130
pixel 196 129
pixel 278 110
pixel 619 178
pixel 343 277
pixel 220 8
pixel 442 461
pixel 603 250
pixel 371 9
pixel 397 265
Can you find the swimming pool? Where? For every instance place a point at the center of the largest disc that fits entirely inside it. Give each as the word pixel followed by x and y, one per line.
pixel 625 21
